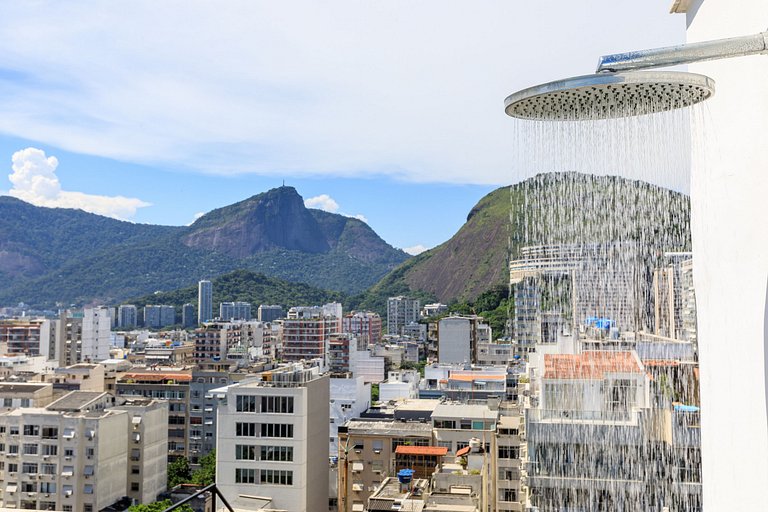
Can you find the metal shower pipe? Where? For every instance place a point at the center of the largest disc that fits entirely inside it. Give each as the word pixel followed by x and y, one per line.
pixel 685 53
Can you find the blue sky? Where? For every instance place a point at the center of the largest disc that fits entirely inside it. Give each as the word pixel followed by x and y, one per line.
pixel 392 111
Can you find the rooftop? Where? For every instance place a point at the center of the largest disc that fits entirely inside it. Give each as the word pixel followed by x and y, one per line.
pixel 464 411
pixel 75 400
pixel 156 376
pixel 592 365
pixel 389 427
pixel 439 451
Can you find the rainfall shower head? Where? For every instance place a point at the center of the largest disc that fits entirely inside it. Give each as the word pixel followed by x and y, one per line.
pixel 609 96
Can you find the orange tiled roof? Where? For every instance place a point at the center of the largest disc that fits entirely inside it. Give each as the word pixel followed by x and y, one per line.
pixel 421 450
pixel 660 362
pixel 591 365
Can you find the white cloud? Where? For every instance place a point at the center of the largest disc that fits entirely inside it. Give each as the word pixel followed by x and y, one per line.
pixel 360 216
pixel 34 180
pixel 408 96
pixel 322 202
pixel 416 249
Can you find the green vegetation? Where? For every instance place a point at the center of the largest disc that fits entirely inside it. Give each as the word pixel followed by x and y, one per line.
pixel 247 286
pixel 206 475
pixel 548 208
pixel 158 506
pixel 374 392
pixel 179 472
pixel 60 255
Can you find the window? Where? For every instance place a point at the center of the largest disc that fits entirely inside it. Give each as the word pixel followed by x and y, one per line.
pixel 245 452
pixel 88 470
pixel 29 468
pixel 67 508
pixel 7 402
pixel 14 431
pixel 48 469
pixel 276 430
pixel 135 470
pixel 68 471
pixel 30 449
pixel 88 489
pixel 88 507
pixel 31 430
pixel 50 432
pixel 377 445
pixel 29 487
pixel 445 424
pixel 13 448
pixel 359 445
pixel 276 477
pixel 245 403
pixel 48 487
pixel 69 452
pixel 245 429
pixel 69 433
pixel 509 495
pixel 136 454
pixel 277 404
pixel 134 486
pixel 377 466
pixel 89 452
pixel 276 453
pixel 509 452
pixel 245 476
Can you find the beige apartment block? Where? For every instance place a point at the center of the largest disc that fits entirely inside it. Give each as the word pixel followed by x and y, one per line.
pixel 272 446
pixel 25 394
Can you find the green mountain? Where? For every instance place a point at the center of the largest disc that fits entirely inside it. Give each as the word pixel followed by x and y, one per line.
pixel 52 255
pixel 247 286
pixel 548 208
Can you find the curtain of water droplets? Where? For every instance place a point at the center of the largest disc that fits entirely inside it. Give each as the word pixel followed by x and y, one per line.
pixel 601 257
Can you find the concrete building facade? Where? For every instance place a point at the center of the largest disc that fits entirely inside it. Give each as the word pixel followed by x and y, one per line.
pixel 273 441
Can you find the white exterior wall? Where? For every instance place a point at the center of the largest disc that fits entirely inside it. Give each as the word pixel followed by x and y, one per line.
pixel 309 492
pixel 730 247
pixel 454 340
pixel 349 399
pixel 363 364
pixel 97 324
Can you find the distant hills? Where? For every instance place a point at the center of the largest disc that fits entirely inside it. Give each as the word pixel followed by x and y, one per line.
pixel 548 208
pixel 261 244
pixel 54 254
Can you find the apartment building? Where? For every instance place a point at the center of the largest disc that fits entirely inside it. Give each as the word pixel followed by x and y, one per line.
pixel 235 311
pixel 401 311
pixel 147 436
pixel 30 336
pixel 14 395
pixel 188 316
pixel 127 316
pixel 203 409
pixel 172 386
pixel 97 326
pixel 157 316
pixel 272 445
pixel 72 455
pixel 458 337
pixel 308 330
pixel 367 449
pixel 364 325
pixel 269 313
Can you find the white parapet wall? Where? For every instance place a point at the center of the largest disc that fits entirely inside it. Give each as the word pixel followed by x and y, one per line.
pixel 729 195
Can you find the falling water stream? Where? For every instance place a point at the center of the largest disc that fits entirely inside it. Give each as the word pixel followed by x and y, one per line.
pixel 604 308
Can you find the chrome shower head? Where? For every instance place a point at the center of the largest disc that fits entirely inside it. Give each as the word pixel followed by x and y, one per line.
pixel 609 96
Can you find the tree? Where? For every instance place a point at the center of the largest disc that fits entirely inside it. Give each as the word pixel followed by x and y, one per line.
pixel 158 506
pixel 206 475
pixel 179 472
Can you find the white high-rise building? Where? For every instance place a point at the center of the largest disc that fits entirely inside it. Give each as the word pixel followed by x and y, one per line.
pixel 272 445
pixel 204 301
pixel 97 325
pixel 235 311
